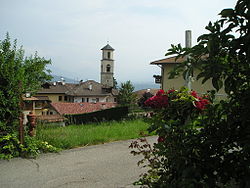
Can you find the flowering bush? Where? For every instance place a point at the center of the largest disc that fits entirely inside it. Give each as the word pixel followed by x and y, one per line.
pixel 176 119
pixel 161 99
pixel 211 149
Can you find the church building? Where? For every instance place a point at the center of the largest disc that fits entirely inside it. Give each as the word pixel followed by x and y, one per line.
pixel 88 91
pixel 107 66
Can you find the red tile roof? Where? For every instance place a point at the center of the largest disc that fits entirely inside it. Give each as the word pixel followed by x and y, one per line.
pixel 80 108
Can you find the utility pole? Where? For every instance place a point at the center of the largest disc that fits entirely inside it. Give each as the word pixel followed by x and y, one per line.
pixel 188 43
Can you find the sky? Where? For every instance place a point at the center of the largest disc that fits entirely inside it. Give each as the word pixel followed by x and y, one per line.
pixel 72 32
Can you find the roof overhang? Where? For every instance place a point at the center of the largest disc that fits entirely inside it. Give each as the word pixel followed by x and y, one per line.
pixel 168 60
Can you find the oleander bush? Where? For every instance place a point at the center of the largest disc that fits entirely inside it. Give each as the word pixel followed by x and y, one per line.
pixel 205 145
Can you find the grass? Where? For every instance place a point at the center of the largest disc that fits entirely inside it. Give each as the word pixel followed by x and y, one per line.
pixel 80 135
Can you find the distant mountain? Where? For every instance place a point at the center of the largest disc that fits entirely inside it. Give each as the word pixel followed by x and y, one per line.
pixel 139 86
pixel 59 78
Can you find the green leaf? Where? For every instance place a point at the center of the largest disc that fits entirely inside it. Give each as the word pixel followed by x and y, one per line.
pixel 217 83
pixel 202 74
pixel 227 13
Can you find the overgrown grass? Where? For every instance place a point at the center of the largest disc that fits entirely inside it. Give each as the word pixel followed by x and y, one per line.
pixel 79 135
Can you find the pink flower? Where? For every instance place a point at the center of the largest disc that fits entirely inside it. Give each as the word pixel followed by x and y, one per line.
pixel 201 103
pixel 194 94
pixel 158 101
pixel 160 92
pixel 171 91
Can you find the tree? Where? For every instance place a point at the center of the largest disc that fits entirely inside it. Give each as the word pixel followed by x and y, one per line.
pixel 18 75
pixel 212 149
pixel 126 97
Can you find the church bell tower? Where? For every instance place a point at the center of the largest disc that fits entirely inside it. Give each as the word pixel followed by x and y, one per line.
pixel 107 66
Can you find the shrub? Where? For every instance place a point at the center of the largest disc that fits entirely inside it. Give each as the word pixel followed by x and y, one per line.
pixel 211 149
pixel 176 121
pixel 10 147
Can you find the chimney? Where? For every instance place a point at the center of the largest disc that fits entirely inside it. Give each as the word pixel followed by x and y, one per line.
pixel 188 39
pixel 90 86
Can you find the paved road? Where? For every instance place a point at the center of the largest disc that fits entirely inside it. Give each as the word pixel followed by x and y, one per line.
pixel 108 165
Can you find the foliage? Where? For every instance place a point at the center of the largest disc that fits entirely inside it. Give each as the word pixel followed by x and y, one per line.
pixel 126 97
pixel 211 148
pixel 10 147
pixel 33 147
pixel 17 76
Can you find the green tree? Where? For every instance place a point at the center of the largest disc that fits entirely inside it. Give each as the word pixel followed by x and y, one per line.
pixel 213 149
pixel 18 75
pixel 126 97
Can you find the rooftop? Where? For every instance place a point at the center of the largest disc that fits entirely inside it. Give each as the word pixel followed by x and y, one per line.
pixel 87 88
pixel 108 47
pixel 168 60
pixel 80 108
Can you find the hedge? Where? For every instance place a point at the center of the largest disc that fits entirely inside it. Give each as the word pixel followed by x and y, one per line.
pixel 116 113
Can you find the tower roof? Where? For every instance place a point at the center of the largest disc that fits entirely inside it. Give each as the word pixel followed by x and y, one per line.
pixel 108 47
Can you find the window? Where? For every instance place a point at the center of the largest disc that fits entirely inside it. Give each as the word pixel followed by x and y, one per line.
pixel 59 98
pixel 107 100
pixel 65 98
pixel 115 100
pixel 51 113
pixel 108 68
pixel 83 99
pixel 87 99
pixel 97 99
pixel 109 55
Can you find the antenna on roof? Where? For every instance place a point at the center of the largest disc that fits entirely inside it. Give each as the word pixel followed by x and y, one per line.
pixel 62 80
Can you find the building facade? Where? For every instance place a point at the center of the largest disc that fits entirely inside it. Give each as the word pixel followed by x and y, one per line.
pixel 168 64
pixel 89 91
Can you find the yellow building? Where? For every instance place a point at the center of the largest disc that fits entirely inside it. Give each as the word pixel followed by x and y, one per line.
pixel 168 64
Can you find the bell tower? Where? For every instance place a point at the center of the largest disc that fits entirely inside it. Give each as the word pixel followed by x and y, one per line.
pixel 107 66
